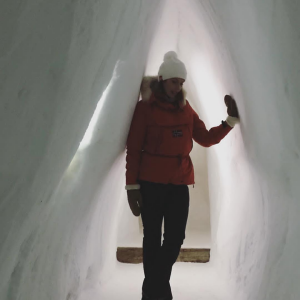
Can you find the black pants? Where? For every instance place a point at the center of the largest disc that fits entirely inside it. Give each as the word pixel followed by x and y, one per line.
pixel 171 203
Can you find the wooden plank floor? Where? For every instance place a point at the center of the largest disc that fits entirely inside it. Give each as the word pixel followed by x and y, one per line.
pixel 131 255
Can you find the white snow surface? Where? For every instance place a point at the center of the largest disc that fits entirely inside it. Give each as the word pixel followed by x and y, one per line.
pixel 188 280
pixel 63 208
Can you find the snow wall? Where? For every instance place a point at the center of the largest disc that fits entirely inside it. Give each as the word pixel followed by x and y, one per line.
pixel 62 171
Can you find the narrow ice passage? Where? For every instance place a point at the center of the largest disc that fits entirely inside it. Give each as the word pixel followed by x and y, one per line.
pixel 63 206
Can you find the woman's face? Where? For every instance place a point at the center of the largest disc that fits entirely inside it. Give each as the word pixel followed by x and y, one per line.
pixel 173 86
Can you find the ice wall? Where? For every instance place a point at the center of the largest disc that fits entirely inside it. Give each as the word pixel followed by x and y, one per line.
pixel 254 174
pixel 57 58
pixel 59 207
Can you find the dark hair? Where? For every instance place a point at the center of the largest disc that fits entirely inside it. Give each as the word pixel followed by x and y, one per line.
pixel 161 86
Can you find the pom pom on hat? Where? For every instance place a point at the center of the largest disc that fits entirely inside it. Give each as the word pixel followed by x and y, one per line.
pixel 172 67
pixel 170 55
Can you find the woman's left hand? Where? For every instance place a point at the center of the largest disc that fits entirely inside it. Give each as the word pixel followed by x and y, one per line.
pixel 232 109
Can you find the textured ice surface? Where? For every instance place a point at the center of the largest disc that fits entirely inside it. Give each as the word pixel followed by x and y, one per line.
pixel 190 282
pixel 61 209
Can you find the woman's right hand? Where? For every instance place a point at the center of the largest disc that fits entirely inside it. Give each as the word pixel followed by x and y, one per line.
pixel 232 109
pixel 135 201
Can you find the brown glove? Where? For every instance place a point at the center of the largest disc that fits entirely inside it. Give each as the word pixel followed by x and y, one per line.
pixel 232 109
pixel 135 201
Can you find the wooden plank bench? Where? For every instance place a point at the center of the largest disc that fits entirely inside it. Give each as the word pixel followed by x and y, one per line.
pixel 131 255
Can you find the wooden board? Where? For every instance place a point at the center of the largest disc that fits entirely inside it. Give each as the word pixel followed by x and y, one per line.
pixel 132 255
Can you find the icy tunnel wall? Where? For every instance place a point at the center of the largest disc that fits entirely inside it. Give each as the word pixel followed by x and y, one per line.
pixel 254 174
pixel 56 60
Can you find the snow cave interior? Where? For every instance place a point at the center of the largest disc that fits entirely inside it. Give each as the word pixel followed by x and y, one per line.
pixel 70 72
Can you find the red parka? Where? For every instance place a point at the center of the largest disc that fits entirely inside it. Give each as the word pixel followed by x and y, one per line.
pixel 161 138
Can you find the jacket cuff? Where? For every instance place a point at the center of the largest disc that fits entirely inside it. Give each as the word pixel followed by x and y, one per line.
pixel 132 187
pixel 232 121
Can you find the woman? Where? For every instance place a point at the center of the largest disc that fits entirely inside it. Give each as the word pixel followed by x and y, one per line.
pixel 159 168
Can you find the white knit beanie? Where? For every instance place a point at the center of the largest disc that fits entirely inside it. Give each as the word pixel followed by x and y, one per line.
pixel 172 67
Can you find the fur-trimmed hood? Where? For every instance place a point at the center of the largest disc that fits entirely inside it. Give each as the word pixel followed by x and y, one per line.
pixel 150 84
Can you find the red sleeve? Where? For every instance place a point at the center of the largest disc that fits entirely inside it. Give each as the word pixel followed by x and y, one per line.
pixel 135 143
pixel 204 137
